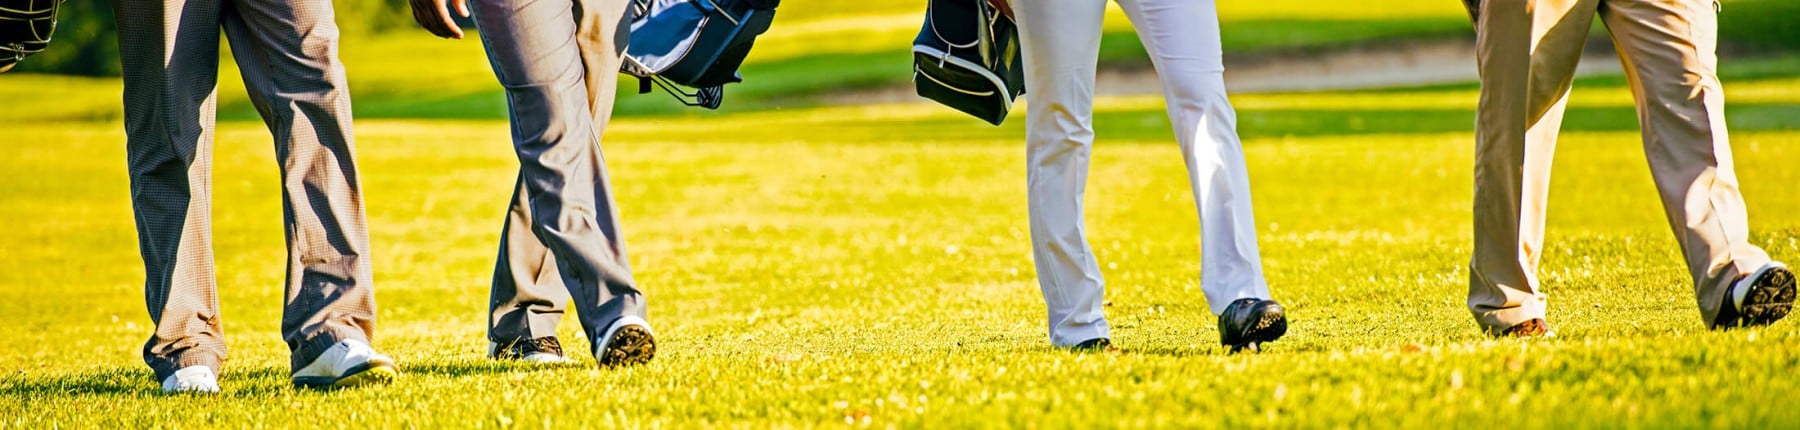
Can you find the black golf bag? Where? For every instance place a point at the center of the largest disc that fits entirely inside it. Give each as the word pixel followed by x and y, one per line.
pixel 25 27
pixel 967 57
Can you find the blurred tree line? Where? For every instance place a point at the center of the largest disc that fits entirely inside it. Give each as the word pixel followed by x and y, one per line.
pixel 86 42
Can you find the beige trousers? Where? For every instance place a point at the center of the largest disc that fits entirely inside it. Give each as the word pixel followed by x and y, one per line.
pixel 287 50
pixel 1527 51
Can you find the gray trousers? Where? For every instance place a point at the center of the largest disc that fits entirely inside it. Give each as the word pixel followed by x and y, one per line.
pixel 559 62
pixel 169 50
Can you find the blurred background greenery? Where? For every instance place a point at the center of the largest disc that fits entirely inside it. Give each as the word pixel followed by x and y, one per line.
pixel 86 43
pixel 817 49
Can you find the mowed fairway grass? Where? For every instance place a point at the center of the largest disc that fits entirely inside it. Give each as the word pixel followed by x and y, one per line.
pixel 870 266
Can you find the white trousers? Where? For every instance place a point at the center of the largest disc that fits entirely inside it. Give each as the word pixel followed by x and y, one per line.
pixel 1061 40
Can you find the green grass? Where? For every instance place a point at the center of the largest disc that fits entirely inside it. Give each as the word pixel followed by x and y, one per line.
pixel 869 264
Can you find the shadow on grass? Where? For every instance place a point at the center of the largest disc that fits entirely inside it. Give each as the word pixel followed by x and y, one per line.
pixel 102 381
pixel 136 381
pixel 236 382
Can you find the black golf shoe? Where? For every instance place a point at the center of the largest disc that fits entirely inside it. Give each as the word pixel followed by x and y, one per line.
pixel 1760 299
pixel 1247 323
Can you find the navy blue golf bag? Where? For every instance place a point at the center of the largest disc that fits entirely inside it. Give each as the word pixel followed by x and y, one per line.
pixel 693 43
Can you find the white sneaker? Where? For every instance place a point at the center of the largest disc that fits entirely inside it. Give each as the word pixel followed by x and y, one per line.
pixel 348 363
pixel 628 341
pixel 192 379
pixel 545 350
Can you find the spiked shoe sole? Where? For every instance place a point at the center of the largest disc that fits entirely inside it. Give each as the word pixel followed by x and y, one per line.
pixel 631 345
pixel 371 373
pixel 1770 298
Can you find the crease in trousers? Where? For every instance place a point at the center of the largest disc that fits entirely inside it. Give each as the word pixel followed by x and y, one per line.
pixel 287 51
pixel 559 63
pixel 1527 51
pixel 1061 42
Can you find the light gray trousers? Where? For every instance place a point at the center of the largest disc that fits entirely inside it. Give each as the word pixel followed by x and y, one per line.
pixel 559 62
pixel 287 49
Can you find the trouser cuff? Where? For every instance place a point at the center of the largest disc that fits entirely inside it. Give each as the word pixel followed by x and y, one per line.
pixel 162 367
pixel 1496 321
pixel 522 324
pixel 1070 335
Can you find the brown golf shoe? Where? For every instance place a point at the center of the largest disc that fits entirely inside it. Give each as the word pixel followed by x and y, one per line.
pixel 1535 327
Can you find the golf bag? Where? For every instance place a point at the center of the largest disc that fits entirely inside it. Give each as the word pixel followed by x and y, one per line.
pixel 693 43
pixel 967 57
pixel 25 27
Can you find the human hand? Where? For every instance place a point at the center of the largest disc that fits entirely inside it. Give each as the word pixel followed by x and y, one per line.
pixel 435 16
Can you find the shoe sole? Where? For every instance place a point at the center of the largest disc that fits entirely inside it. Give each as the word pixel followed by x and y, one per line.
pixel 1093 345
pixel 543 358
pixel 630 345
pixel 1271 324
pixel 1770 298
pixel 546 359
pixel 371 373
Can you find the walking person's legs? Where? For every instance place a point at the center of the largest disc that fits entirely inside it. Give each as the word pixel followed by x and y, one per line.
pixel 1061 45
pixel 1526 52
pixel 169 96
pixel 528 298
pixel 169 51
pixel 1182 37
pixel 287 51
pixel 1669 52
pixel 536 54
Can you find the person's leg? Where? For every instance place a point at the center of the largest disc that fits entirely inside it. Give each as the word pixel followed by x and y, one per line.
pixel 528 298
pixel 1669 50
pixel 1061 45
pixel 287 50
pixel 1182 37
pixel 602 34
pixel 533 49
pixel 1526 52
pixel 169 55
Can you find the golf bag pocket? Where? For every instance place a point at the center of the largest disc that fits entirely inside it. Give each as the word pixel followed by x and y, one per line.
pixel 693 43
pixel 967 57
